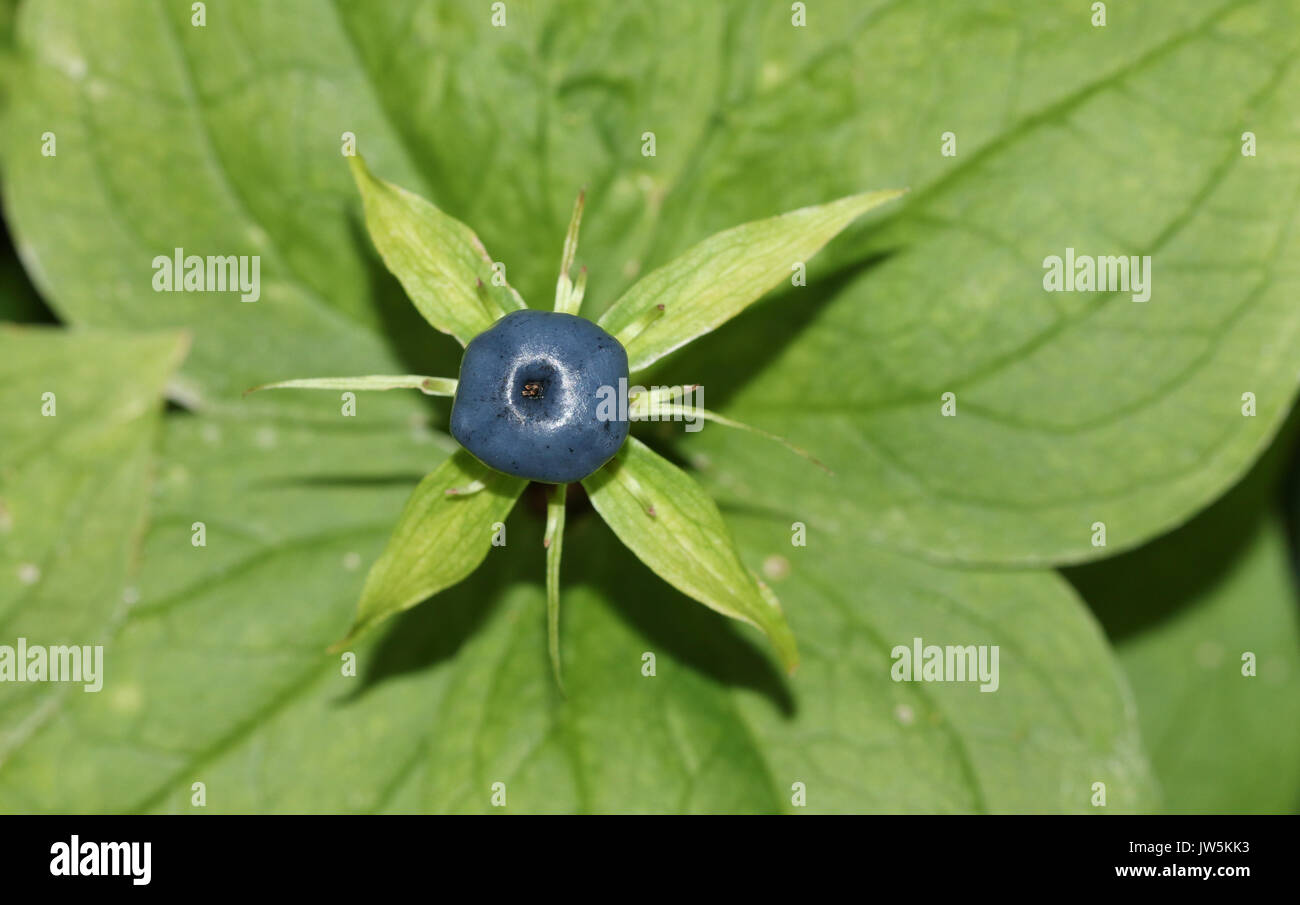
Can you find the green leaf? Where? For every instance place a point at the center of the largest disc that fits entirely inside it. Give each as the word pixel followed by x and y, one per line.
pixel 455 696
pixel 438 259
pixel 81 411
pixel 1184 611
pixel 226 636
pixel 1062 717
pixel 721 276
pixel 1072 408
pixel 432 386
pixel 663 516
pixel 155 163
pixel 442 536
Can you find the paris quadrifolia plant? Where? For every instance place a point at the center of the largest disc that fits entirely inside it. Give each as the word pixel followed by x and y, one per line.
pixel 537 400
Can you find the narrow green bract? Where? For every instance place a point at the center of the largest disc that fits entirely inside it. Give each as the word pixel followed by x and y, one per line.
pixel 438 259
pixel 440 538
pixel 721 276
pixel 554 549
pixel 684 541
pixel 430 386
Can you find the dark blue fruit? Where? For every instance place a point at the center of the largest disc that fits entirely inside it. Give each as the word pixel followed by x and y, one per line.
pixel 529 392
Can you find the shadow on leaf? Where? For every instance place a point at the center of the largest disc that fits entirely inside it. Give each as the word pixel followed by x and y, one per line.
pixel 689 632
pixel 672 624
pixel 1141 588
pixel 725 360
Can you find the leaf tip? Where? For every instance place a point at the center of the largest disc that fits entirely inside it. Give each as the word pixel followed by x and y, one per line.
pixel 360 172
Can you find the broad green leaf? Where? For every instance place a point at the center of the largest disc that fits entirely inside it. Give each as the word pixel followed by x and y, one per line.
pixel 441 264
pixel 1183 612
pixel 443 534
pixel 217 674
pixel 1073 408
pixel 218 638
pixel 80 414
pixel 7 8
pixel 1200 716
pixel 167 139
pixel 1062 717
pixel 721 276
pixel 673 526
pixel 1123 139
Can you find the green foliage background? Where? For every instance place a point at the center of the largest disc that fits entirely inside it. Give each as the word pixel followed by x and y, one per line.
pixel 1073 408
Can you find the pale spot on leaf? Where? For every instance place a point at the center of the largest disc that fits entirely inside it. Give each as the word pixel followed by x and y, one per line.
pixel 126 698
pixel 776 567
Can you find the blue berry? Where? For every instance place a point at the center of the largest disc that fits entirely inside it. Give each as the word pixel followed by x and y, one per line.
pixel 527 399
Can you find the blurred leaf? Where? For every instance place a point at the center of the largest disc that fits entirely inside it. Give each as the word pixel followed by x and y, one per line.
pixel 225 636
pixel 674 527
pixel 73 491
pixel 442 536
pixel 721 276
pixel 1183 612
pixel 218 675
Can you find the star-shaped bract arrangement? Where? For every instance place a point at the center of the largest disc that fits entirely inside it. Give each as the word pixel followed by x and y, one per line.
pixel 526 404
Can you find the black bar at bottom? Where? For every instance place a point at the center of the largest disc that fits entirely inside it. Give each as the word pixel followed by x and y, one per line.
pixel 217 854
